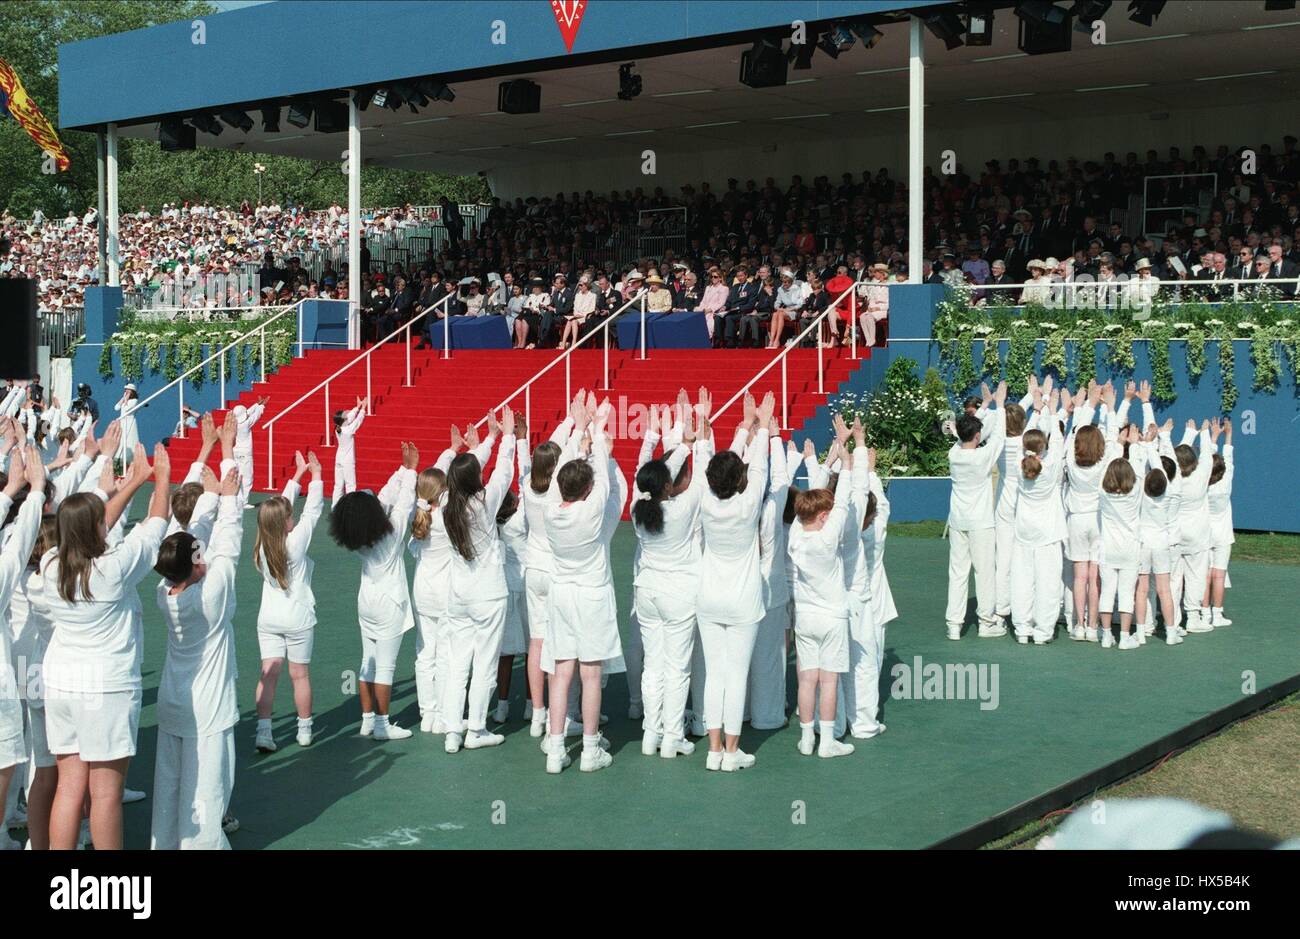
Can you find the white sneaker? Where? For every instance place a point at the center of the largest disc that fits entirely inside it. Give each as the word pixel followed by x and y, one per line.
pixel 1199 625
pixel 675 746
pixel 992 632
pixel 593 760
pixel 1139 637
pixel 1217 619
pixel 390 731
pixel 714 760
pixel 731 762
pixel 1078 634
pixel 451 743
pixel 439 726
pixel 1023 640
pixel 478 739
pixel 304 738
pixel 502 712
pixel 537 723
pixel 868 731
pixel 830 747
pixel 367 724
pixel 556 760
pixel 427 720
pixel 265 743
pixel 650 743
pixel 1092 634
pixel 1172 637
pixel 1042 640
pixel 1127 641
pixel 954 632
pixel 807 743
pixel 1107 639
pixel 635 712
pixel 1149 629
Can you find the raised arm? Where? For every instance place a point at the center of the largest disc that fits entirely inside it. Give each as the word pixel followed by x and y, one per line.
pixel 300 538
pixel 503 471
pixel 228 532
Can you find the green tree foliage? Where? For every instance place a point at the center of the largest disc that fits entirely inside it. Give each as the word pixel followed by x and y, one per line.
pixel 29 40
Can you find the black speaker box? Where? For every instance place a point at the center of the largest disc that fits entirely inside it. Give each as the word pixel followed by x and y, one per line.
pixel 763 66
pixel 175 135
pixel 1041 39
pixel 331 117
pixel 519 96
pixel 18 327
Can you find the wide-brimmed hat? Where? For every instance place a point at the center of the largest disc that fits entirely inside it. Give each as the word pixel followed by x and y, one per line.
pixel 129 386
pixel 880 267
pixel 536 282
pixel 1036 263
pixel 1142 264
pixel 634 275
pixel 654 279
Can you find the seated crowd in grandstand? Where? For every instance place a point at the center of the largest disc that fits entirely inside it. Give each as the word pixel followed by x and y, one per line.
pixel 747 252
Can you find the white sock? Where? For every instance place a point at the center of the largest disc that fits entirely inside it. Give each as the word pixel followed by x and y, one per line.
pixel 367 717
pixel 304 723
pixel 591 742
pixel 828 730
pixel 263 725
pixel 381 720
pixel 557 743
pixel 806 730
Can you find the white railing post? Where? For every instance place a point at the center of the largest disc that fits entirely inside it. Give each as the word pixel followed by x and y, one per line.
pixel 446 331
pixel 408 355
pixel 605 330
pixel 270 456
pixel 528 406
pixel 299 318
pixel 785 395
pixel 327 414
pixel 853 312
pixel 368 361
pixel 263 353
pixel 568 380
pixel 643 314
pixel 820 359
pixel 181 389
pixel 223 378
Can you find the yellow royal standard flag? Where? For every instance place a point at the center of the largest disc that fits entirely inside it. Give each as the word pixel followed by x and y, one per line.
pixel 15 100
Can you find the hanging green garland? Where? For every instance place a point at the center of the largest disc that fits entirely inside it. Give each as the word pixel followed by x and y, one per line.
pixel 1227 376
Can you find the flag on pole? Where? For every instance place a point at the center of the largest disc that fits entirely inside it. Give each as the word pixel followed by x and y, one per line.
pixel 15 101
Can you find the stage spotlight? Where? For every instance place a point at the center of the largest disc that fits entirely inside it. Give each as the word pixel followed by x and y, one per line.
pixel 1087 12
pixel 979 25
pixel 842 37
pixel 519 96
pixel 237 118
pixel 1145 11
pixel 413 99
pixel 271 118
pixel 946 26
pixel 1042 12
pixel 380 97
pixel 764 65
pixel 206 123
pixel 866 32
pixel 175 135
pixel 438 91
pixel 300 113
pixel 629 84
pixel 828 45
pixel 801 54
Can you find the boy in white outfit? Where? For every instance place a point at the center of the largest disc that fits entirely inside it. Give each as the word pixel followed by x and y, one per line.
pixel 245 420
pixel 346 425
pixel 971 537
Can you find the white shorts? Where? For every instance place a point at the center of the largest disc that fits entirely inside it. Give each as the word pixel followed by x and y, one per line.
pixel 537 588
pixel 379 659
pixel 1155 559
pixel 514 636
pixel 1084 541
pixel 97 727
pixel 1219 556
pixel 821 642
pixel 296 647
pixel 583 624
pixel 38 742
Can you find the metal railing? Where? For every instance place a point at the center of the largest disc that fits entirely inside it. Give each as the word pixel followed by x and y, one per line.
pixel 1135 292
pixel 60 329
pixel 363 357
pixel 179 381
pixel 567 358
pixel 1149 209
pixel 852 294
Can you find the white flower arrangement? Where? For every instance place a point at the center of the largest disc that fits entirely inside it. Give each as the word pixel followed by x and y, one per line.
pixel 982 330
pixel 1247 325
pixel 1113 328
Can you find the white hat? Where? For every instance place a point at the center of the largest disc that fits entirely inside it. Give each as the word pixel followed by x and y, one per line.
pixel 1051 262
pixel 130 386
pixel 1036 263
pixel 241 412
pixel 634 275
pixel 1142 264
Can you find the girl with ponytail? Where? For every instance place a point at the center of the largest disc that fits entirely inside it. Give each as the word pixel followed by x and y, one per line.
pixel 286 621
pixel 1039 524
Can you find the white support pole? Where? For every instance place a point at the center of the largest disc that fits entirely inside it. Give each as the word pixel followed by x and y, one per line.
pixel 915 153
pixel 263 358
pixel 101 153
pixel 114 248
pixel 853 314
pixel 605 386
pixel 354 224
pixel 785 394
pixel 644 294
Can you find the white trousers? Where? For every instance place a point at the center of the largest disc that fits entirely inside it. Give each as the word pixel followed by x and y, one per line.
pixel 1067 589
pixel 345 479
pixel 432 658
pixel 728 650
pixel 1004 537
pixel 767 671
pixel 244 461
pixel 666 628
pixel 698 670
pixel 379 659
pixel 634 655
pixel 1036 590
pixel 1187 582
pixel 474 645
pixel 193 778
pixel 861 684
pixel 967 549
pixel 1118 588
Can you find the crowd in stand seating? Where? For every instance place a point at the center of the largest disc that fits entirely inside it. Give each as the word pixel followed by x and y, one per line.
pixel 1021 223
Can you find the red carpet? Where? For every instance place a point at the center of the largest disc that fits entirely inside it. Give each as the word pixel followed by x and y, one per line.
pixel 462 389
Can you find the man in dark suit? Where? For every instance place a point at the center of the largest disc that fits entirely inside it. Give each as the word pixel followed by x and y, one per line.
pixel 740 302
pixel 561 308
pixel 1279 268
pixel 1244 268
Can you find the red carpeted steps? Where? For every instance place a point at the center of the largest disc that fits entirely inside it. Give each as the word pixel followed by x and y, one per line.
pixel 460 390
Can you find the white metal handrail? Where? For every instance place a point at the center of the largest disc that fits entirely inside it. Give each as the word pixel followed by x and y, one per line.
pixel 1124 285
pixel 179 381
pixel 567 358
pixel 364 356
pixel 852 294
